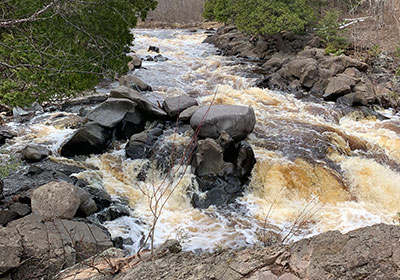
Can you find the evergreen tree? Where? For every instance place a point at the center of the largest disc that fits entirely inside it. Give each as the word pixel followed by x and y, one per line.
pixel 50 49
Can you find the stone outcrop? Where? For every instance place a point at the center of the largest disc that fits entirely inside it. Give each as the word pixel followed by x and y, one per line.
pixel 237 121
pixel 34 248
pixel 367 253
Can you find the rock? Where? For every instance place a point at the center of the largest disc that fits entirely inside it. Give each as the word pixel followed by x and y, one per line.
pixel 87 205
pixel 134 82
pixel 4 135
pixel 149 58
pixel 18 113
pixel 366 253
pixel 90 139
pixel 237 121
pixel 85 100
pixel 338 86
pixel 112 213
pixel 34 153
pixel 153 49
pixel 309 74
pixel 175 105
pixel 273 64
pixel 350 62
pixel 7 216
pixel 36 108
pixel 56 200
pixel 187 114
pixel 20 209
pixel 209 158
pixel 245 160
pixel 110 113
pixel 144 105
pixel 1 189
pixel 22 181
pixel 315 42
pixel 39 249
pixel 140 145
pixel 263 275
pixel 297 67
pixel 133 123
pixel 160 58
pixel 10 250
pixel 136 61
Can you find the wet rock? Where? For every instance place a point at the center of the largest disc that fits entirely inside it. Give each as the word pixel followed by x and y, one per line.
pixel 112 213
pixel 85 100
pixel 175 105
pixel 209 158
pixel 100 197
pixel 90 139
pixel 133 123
pixel 141 145
pixel 143 104
pixel 153 49
pixel 160 58
pixel 45 247
pixel 87 205
pixel 136 62
pixel 187 114
pixel 245 160
pixel 56 200
pixel 237 121
pixel 134 82
pixel 34 153
pixel 19 113
pixel 110 113
pixel 149 58
pixel 36 175
pixel 4 135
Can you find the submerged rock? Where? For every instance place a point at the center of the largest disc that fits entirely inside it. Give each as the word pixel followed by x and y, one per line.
pixel 237 121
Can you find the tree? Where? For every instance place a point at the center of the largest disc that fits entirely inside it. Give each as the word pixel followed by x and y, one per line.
pixel 260 17
pixel 50 49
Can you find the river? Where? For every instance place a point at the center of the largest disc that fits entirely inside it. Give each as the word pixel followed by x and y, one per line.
pixel 317 168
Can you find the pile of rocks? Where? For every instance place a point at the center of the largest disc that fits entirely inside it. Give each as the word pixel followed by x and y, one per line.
pixel 297 63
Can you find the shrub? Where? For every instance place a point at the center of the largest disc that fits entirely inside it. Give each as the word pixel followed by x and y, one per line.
pixel 328 31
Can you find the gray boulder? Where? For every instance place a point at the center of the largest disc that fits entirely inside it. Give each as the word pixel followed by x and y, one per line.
pixel 134 82
pixel 237 121
pixel 296 67
pixel 175 105
pixel 209 158
pixel 34 153
pixel 87 205
pixel 143 104
pixel 141 145
pixel 110 113
pixel 56 200
pixel 136 61
pixel 338 86
pixel 89 139
pixel 187 114
pixel 10 250
pixel 7 216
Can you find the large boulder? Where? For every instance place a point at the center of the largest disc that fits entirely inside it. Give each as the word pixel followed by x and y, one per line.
pixel 134 82
pixel 136 62
pixel 141 145
pixel 338 86
pixel 297 67
pixel 209 158
pixel 143 104
pixel 34 153
pixel 39 249
pixel 110 113
pixel 89 139
pixel 237 121
pixel 56 200
pixel 175 105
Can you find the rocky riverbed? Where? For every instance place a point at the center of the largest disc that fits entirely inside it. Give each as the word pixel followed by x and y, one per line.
pixel 235 166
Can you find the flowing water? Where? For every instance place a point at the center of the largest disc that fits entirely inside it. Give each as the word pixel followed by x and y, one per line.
pixel 317 169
